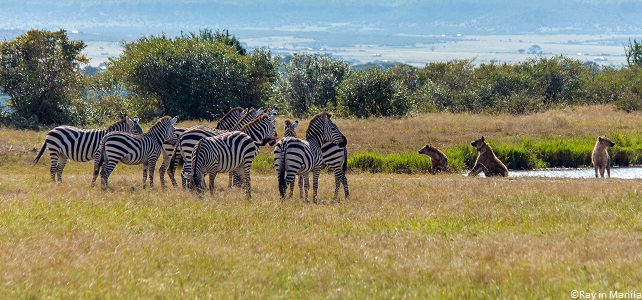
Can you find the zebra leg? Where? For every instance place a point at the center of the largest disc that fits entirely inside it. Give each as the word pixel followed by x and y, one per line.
pixel 306 187
pixel 54 166
pixel 152 164
pixel 337 183
pixel 344 180
pixel 212 177
pixel 244 176
pixel 315 184
pixel 161 171
pixel 62 161
pixel 302 179
pixel 96 171
pixel 106 171
pixel 145 167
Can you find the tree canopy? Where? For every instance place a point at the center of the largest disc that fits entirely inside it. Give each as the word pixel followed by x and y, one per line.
pixel 196 76
pixel 41 74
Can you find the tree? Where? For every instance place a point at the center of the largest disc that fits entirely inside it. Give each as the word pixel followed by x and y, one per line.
pixel 311 81
pixel 40 71
pixel 633 53
pixel 374 93
pixel 196 76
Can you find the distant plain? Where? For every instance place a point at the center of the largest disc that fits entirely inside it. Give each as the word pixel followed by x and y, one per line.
pixel 606 50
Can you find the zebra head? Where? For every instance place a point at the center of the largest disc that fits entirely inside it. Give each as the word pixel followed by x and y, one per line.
pixel 135 126
pixel 262 129
pixel 164 129
pixel 290 128
pixel 324 130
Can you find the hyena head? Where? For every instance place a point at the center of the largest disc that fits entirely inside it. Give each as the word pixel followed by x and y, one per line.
pixel 428 149
pixel 479 143
pixel 604 141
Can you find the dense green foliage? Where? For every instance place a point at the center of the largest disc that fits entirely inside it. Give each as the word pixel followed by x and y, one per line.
pixel 40 72
pixel 374 93
pixel 310 83
pixel 196 76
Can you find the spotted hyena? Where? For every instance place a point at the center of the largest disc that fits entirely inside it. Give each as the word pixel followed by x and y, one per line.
pixel 438 160
pixel 600 156
pixel 487 161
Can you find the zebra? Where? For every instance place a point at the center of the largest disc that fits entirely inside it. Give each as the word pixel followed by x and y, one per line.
pixel 133 149
pixel 229 152
pixel 168 151
pixel 300 156
pixel 334 157
pixel 260 128
pixel 227 122
pixel 289 131
pixel 68 142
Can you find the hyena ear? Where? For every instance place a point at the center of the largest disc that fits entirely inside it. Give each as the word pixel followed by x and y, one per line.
pixel 482 138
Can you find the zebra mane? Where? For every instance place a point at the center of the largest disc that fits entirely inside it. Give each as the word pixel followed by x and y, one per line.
pixel 255 120
pixel 117 123
pixel 320 117
pixel 232 111
pixel 161 120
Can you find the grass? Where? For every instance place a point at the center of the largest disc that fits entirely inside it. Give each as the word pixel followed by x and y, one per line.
pixel 400 235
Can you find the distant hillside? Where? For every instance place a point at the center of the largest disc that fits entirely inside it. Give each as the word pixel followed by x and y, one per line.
pixel 375 17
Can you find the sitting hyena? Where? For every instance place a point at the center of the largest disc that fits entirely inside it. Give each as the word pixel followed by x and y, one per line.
pixel 487 162
pixel 600 156
pixel 438 160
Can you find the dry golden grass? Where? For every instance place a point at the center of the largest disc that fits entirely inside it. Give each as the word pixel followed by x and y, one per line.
pixel 401 236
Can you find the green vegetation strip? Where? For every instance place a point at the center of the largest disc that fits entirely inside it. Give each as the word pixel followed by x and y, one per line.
pixel 526 154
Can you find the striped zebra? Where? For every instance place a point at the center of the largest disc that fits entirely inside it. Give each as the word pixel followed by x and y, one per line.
pixel 260 130
pixel 289 131
pixel 231 119
pixel 229 152
pixel 300 156
pixel 168 152
pixel 68 142
pixel 133 149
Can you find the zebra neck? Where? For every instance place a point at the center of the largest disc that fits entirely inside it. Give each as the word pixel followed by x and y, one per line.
pixel 157 134
pixel 254 132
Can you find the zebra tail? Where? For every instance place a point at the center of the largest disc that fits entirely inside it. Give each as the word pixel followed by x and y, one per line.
pixel 282 183
pixel 42 151
pixel 172 162
pixel 344 166
pixel 195 177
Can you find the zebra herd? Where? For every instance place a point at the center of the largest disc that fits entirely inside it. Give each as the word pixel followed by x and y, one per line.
pixel 231 147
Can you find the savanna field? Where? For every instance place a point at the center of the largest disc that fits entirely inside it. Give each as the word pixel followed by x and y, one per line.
pixel 405 234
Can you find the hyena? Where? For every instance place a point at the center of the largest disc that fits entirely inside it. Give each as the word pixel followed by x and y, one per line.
pixel 438 160
pixel 487 161
pixel 600 157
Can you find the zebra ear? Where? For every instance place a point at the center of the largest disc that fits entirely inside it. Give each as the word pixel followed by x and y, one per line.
pixel 174 119
pixel 260 111
pixel 135 119
pixel 272 117
pixel 296 123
